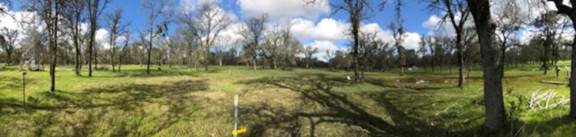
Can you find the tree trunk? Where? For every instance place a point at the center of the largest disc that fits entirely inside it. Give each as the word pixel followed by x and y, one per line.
pixel 432 60
pixel 355 32
pixel 149 55
pixel 160 61
pixel 77 62
pixel 573 78
pixel 494 102
pixel 9 57
pixel 53 26
pixel 460 50
pixel 91 46
pixel 461 69
pixel 220 62
pixel 112 59
pixel 78 65
pixel 120 63
pixel 274 64
pixel 254 61
pixel 207 59
pixel 545 59
pixel 401 59
pixel 95 58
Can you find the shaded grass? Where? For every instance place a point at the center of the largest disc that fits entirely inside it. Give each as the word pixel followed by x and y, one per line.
pixel 182 101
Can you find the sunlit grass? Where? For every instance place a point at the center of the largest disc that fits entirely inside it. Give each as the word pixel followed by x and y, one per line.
pixel 183 101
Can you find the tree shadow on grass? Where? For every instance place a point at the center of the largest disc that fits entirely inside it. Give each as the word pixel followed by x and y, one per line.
pixel 336 108
pixel 153 73
pixel 557 126
pixel 128 110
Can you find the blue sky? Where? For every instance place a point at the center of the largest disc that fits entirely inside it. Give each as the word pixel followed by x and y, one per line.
pixel 317 26
pixel 313 25
pixel 414 13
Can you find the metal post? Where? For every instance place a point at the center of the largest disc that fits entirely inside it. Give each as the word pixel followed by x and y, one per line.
pixel 235 114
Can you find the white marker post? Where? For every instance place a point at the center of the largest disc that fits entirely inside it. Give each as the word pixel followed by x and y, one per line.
pixel 235 114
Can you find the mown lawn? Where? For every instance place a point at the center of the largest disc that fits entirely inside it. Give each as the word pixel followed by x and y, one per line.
pixel 181 101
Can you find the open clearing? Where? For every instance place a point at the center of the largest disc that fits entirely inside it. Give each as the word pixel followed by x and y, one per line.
pixel 181 101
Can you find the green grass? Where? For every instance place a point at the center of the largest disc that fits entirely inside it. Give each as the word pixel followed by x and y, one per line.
pixel 182 101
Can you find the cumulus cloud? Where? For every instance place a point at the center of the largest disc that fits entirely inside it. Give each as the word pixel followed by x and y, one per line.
pixel 438 26
pixel 327 32
pixel 284 8
pixel 432 22
pixel 192 5
pixel 384 35
pixel 325 29
pixel 323 46
pixel 20 21
pixel 411 39
pixel 231 35
pixel 102 38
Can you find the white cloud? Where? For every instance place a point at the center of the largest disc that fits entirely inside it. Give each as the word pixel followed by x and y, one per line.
pixel 231 35
pixel 284 8
pixel 437 26
pixel 323 46
pixel 412 40
pixel 432 22
pixel 102 38
pixel 326 29
pixel 527 9
pixel 20 21
pixel 192 5
pixel 384 35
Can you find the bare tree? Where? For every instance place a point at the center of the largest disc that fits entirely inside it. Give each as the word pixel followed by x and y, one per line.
pixel 50 11
pixel 158 14
pixel 74 10
pixel 272 45
pixel 508 23
pixel 570 10
pixel 124 51
pixel 357 11
pixel 8 42
pixel 34 40
pixel 95 9
pixel 116 28
pixel 253 33
pixel 210 22
pixel 3 41
pixel 493 99
pixel 188 32
pixel 431 43
pixel 5 2
pixel 282 48
pixel 308 55
pixel 451 8
pixel 398 34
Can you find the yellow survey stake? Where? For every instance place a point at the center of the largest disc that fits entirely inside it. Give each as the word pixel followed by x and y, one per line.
pixel 239 131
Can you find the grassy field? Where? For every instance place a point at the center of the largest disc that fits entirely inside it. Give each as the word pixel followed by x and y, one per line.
pixel 180 101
